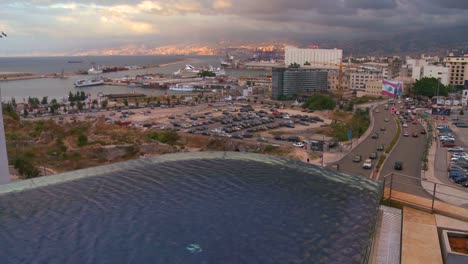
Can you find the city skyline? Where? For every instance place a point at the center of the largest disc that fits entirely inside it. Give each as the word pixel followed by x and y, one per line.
pixel 46 27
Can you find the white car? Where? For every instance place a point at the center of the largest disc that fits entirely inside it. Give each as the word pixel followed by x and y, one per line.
pixel 456 149
pixel 367 164
pixel 405 125
pixel 298 144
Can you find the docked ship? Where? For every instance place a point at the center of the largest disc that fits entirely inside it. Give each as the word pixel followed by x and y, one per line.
pixel 90 82
pixel 94 70
pixel 218 71
pixel 182 88
pixel 188 72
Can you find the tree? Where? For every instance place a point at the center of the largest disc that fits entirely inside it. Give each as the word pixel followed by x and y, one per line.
pixel 306 63
pixel 461 112
pixel 79 105
pixel 126 102
pixel 71 97
pixel 82 140
pixel 25 111
pixel 25 167
pixel 428 87
pixel 104 104
pixel 94 102
pixel 44 100
pixel 320 102
pixel 294 65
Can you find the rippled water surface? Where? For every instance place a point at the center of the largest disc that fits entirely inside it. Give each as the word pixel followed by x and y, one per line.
pixel 192 211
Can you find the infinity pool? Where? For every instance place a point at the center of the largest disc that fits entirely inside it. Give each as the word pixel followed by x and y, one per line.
pixel 190 208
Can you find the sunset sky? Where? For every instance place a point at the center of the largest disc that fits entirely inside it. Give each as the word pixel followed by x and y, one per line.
pixel 60 26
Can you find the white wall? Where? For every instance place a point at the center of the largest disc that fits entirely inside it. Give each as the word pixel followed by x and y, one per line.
pixel 433 71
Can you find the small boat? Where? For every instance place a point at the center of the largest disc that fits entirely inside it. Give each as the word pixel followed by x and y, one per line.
pixel 90 82
pixel 75 61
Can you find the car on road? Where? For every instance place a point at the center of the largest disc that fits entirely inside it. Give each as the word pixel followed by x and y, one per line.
pixel 298 144
pixel 398 165
pixel 383 129
pixel 377 110
pixel 415 134
pixel 405 125
pixel 294 139
pixel 357 158
pixel 386 120
pixel 380 147
pixel 367 164
pixel 406 134
pixel 456 149
pixel 262 139
pixel 375 135
pixel 423 131
pixel 373 155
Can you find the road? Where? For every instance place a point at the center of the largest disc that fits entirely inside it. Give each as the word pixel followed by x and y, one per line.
pixel 369 144
pixel 408 150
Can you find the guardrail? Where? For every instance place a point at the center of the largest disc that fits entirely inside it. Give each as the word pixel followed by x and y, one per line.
pixel 434 197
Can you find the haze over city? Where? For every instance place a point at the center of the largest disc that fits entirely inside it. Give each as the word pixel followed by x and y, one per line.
pixel 54 27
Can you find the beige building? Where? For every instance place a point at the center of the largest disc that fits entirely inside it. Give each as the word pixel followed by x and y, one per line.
pixel 317 58
pixel 458 69
pixel 374 88
pixel 359 79
pixel 333 81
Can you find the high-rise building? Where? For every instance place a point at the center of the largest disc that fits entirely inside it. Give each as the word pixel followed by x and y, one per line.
pixel 4 172
pixel 458 69
pixel 295 81
pixel 317 58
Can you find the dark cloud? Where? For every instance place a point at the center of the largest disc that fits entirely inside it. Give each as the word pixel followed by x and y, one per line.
pixel 371 4
pixel 456 4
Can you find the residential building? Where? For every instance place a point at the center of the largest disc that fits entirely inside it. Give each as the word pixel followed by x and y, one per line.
pixel 438 72
pixel 295 81
pixel 394 65
pixel 317 58
pixel 458 69
pixel 359 79
pixel 373 88
pixel 333 80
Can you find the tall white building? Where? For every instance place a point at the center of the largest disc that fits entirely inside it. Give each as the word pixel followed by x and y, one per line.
pixel 438 72
pixel 318 58
pixel 4 172
pixel 417 66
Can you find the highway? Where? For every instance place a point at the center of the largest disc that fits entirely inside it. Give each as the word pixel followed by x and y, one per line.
pixel 408 150
pixel 369 144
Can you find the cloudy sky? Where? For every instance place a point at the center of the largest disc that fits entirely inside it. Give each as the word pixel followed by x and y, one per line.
pixel 54 26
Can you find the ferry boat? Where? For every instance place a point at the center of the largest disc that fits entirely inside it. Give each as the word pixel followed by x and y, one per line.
pixel 182 88
pixel 90 82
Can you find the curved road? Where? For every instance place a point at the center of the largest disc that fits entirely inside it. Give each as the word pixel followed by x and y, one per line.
pixel 408 150
pixel 369 144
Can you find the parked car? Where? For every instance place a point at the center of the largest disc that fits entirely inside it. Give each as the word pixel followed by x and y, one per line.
pixel 398 165
pixel 386 120
pixel 357 158
pixel 406 134
pixel 298 144
pixel 423 131
pixel 405 125
pixel 373 155
pixel 448 144
pixel 383 129
pixel 456 149
pixel 262 139
pixel 380 147
pixel 367 164
pixel 415 134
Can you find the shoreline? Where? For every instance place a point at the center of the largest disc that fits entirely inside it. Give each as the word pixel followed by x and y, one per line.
pixel 69 74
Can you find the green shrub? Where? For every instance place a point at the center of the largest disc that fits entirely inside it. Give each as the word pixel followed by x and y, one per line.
pixel 82 140
pixel 320 102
